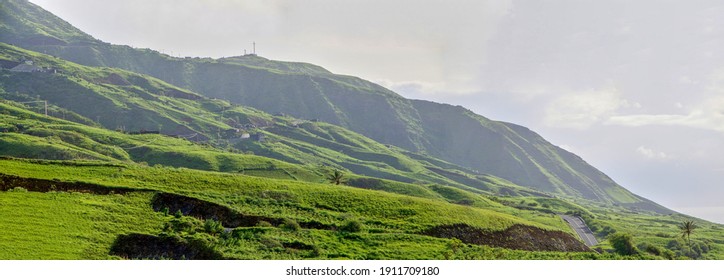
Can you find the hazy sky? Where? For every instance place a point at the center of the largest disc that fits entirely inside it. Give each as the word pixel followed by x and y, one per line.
pixel 636 88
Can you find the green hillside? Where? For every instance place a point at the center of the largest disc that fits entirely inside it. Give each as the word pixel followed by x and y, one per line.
pixel 306 91
pixel 52 226
pixel 140 109
pixel 28 134
pixel 127 205
pixel 108 151
pixel 310 150
pixel 319 212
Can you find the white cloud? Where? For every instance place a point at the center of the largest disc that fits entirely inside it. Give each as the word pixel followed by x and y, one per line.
pixel 584 109
pixel 708 115
pixel 652 154
pixel 428 90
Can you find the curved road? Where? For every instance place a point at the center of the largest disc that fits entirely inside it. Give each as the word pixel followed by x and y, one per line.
pixel 581 229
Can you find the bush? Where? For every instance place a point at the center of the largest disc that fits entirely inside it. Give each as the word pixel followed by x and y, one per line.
pixel 698 249
pixel 264 224
pixel 622 244
pixel 18 189
pixel 656 251
pixel 185 224
pixel 213 227
pixel 290 225
pixel 674 245
pixel 272 244
pixel 668 254
pixel 351 226
pixel 607 230
pixel 466 202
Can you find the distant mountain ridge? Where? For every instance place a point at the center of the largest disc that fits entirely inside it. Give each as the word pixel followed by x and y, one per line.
pixel 306 91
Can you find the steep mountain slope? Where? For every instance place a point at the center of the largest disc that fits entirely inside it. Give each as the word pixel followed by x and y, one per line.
pixel 307 149
pixel 310 92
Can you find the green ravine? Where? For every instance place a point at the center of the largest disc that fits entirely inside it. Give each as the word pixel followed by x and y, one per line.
pixel 143 155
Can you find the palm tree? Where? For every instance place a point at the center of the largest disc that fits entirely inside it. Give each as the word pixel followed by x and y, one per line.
pixel 336 177
pixel 687 229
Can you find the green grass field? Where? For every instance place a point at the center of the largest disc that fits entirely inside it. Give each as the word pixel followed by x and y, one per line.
pixel 70 225
pixel 84 226
pixel 390 222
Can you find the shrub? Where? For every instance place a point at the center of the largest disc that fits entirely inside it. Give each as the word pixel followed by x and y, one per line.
pixel 653 249
pixel 184 224
pixel 18 189
pixel 315 252
pixel 698 249
pixel 674 245
pixel 668 254
pixel 271 243
pixel 351 226
pixel 264 224
pixel 607 230
pixel 213 227
pixel 290 225
pixel 622 244
pixel 178 214
pixel 466 202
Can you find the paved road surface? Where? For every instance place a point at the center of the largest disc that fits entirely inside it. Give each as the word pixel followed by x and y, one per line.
pixel 582 229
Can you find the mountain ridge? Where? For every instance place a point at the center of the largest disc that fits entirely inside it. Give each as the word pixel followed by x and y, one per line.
pixel 310 92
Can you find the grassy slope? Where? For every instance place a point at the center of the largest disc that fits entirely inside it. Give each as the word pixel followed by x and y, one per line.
pixel 658 230
pixel 70 225
pixel 238 190
pixel 95 143
pixel 391 221
pixel 51 138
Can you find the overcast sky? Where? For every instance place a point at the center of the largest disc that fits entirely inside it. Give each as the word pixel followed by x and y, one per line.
pixel 634 87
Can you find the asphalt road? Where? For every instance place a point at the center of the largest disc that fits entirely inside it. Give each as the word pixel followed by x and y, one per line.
pixel 581 229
